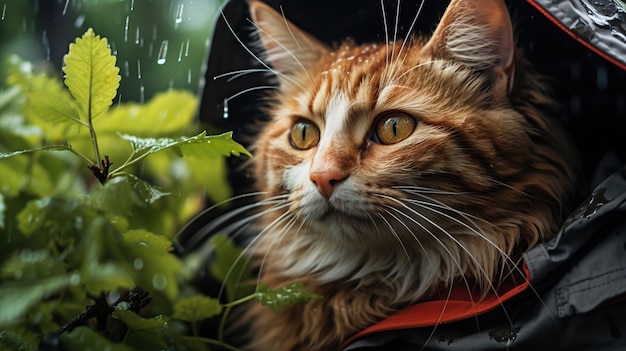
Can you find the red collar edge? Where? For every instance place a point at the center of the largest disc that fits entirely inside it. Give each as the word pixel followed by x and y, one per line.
pixel 459 305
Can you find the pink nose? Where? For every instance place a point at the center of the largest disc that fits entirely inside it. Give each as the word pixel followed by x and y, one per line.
pixel 327 180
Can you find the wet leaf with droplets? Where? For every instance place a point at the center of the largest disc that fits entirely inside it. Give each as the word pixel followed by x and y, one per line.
pixel 134 322
pixel 199 145
pixel 284 296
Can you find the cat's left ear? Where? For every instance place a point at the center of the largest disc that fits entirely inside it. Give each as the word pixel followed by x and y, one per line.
pixel 478 34
pixel 288 49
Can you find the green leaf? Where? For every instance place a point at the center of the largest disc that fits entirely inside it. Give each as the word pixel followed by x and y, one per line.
pixel 43 148
pixel 166 113
pixel 230 267
pixel 199 145
pixel 12 341
pixel 134 322
pixel 16 298
pixel 288 295
pixel 196 308
pixel 48 100
pixel 156 270
pixel 91 74
pixel 120 195
pixel 145 238
pixel 86 339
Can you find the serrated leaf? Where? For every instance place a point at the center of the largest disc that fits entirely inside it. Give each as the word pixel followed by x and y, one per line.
pixel 288 295
pixel 199 145
pixel 43 148
pixel 196 308
pixel 230 267
pixel 16 298
pixel 135 322
pixel 48 100
pixel 91 74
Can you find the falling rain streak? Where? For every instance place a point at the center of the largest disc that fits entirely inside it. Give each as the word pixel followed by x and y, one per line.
pixel 162 57
pixel 4 11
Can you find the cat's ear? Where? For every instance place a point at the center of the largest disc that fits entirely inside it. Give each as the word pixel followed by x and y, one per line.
pixel 478 34
pixel 288 49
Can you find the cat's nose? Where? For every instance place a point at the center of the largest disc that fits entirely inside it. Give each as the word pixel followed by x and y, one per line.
pixel 327 180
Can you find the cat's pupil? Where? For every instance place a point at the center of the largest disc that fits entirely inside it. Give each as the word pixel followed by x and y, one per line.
pixel 394 127
pixel 304 135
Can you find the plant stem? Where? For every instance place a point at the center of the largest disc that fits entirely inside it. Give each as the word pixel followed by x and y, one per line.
pixel 212 342
pixel 94 141
pixel 229 306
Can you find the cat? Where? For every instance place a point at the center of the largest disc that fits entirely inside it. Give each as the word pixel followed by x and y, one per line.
pixel 392 170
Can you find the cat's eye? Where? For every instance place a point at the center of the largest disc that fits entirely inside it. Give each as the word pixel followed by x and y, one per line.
pixel 304 135
pixel 393 127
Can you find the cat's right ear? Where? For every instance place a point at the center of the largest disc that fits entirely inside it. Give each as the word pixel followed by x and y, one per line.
pixel 288 49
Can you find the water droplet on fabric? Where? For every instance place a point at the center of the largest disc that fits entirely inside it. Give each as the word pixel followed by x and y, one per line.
pixel 506 334
pixel 159 281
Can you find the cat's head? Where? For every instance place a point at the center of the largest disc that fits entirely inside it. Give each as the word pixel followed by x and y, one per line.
pixel 437 149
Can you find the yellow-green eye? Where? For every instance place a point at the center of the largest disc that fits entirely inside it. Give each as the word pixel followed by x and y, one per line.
pixel 393 127
pixel 304 135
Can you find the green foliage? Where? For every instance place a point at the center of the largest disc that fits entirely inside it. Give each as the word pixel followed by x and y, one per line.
pixel 81 235
pixel 284 296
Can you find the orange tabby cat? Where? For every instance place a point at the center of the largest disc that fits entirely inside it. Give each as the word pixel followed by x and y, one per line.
pixel 398 169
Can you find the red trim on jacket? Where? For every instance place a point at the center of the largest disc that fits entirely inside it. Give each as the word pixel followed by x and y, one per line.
pixel 457 305
pixel 587 44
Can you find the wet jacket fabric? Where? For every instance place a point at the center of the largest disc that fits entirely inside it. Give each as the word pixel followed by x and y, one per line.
pixel 576 299
pixel 569 292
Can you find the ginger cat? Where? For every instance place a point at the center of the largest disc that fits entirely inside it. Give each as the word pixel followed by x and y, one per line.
pixel 394 170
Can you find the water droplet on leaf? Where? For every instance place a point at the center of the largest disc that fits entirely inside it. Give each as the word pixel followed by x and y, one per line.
pixel 159 281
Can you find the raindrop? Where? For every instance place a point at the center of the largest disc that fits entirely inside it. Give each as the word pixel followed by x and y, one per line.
pixel 187 48
pixel 132 5
pixel 79 21
pixel 126 69
pixel 159 281
pixel 162 57
pixel 75 279
pixel 138 69
pixel 225 115
pixel 119 100
pixel 141 93
pixel 137 35
pixel 189 76
pixel 179 14
pixel 126 29
pixel 138 263
pixel 4 11
pixel 67 2
pixel 180 53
